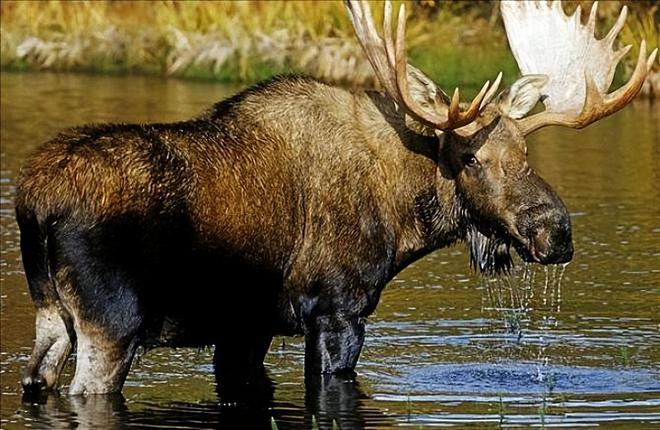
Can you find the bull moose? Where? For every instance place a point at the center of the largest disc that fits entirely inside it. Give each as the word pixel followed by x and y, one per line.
pixel 287 208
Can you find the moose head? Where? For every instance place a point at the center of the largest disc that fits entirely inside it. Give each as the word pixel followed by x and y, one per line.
pixel 482 144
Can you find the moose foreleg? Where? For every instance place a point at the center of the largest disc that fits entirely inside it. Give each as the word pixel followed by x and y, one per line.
pixel 333 344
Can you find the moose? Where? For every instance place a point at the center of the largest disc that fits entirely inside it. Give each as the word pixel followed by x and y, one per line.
pixel 287 208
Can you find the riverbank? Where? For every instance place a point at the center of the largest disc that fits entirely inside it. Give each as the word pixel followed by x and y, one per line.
pixel 456 43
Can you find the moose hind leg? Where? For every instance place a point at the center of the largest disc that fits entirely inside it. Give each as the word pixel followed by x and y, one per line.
pixel 102 362
pixel 51 349
pixel 98 278
pixel 107 336
pixel 107 319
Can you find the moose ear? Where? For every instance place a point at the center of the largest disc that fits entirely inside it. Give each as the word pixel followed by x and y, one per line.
pixel 516 101
pixel 423 90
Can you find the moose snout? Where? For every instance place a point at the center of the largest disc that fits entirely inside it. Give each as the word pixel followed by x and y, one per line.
pixel 552 245
pixel 548 234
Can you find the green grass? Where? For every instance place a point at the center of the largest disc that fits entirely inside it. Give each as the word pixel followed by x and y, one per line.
pixel 513 320
pixel 624 356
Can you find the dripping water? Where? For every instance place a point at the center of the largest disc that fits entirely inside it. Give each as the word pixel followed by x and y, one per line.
pixel 527 306
pixel 550 319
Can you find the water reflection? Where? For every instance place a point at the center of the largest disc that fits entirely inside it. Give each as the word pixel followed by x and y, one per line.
pixel 338 401
pixel 55 411
pixel 329 402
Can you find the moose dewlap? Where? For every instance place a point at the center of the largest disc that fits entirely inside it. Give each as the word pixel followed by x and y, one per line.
pixel 311 197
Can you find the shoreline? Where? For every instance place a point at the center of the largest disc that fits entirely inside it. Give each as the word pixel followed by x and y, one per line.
pixel 457 44
pixel 650 90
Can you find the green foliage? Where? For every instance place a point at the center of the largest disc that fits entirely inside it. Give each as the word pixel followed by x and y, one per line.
pixel 643 25
pixel 624 356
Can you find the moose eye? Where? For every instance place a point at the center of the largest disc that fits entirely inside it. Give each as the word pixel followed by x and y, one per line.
pixel 469 159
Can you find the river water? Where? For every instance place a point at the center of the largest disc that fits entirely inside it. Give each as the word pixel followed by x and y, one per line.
pixel 573 346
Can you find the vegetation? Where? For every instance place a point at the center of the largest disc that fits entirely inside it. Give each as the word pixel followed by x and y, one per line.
pixel 456 43
pixel 501 413
pixel 543 411
pixel 624 357
pixel 314 425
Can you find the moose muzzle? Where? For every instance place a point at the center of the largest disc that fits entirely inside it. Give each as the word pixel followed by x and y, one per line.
pixel 546 233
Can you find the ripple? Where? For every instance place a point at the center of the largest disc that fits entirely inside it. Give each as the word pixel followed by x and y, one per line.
pixel 526 378
pixel 548 420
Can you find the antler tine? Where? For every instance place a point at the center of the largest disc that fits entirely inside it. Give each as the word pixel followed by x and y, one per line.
pixel 388 58
pixel 360 16
pixel 591 22
pixel 387 30
pixel 401 72
pixel 475 106
pixel 651 60
pixel 581 73
pixel 454 114
pixel 455 118
pixel 492 91
pixel 596 106
pixel 626 93
pixel 621 20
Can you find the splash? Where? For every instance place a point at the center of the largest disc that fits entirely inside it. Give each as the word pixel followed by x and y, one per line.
pixel 527 303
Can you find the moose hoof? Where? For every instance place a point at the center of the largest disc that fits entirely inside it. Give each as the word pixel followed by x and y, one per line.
pixel 33 384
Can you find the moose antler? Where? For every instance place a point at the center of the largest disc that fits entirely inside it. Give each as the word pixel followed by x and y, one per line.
pixel 580 68
pixel 389 62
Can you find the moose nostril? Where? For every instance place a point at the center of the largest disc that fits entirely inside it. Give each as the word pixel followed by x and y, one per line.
pixel 551 245
pixel 541 247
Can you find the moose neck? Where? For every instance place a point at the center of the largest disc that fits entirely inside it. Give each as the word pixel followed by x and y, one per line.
pixel 419 200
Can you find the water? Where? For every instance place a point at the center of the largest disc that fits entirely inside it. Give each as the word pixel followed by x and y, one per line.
pixel 574 346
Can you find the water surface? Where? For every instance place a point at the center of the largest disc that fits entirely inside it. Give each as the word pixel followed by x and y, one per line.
pixel 569 347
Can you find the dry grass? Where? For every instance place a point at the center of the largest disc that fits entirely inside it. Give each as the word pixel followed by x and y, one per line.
pixel 455 42
pixel 223 39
